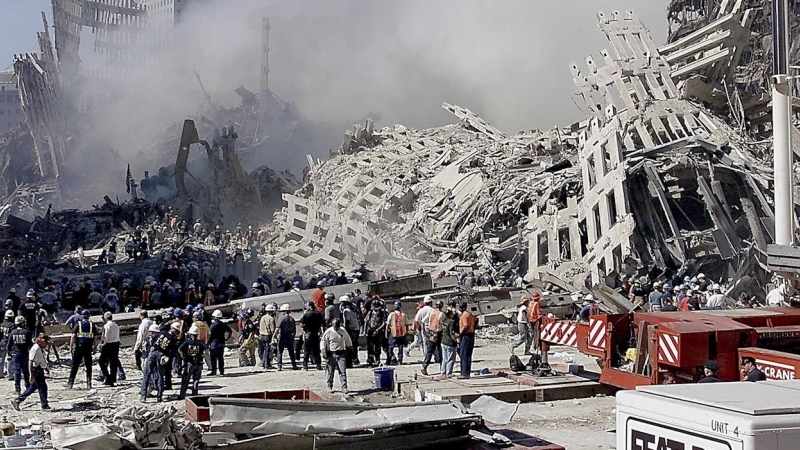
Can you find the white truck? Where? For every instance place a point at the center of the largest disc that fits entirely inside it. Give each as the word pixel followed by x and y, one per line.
pixel 710 416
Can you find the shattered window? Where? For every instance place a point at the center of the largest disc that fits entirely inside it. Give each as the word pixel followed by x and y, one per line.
pixel 612 208
pixel 543 250
pixel 584 235
pixel 592 174
pixel 564 244
pixel 598 227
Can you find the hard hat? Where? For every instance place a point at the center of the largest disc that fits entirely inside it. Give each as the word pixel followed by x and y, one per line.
pixel 86 313
pixel 536 296
pixel 667 286
pixel 702 275
pixel 217 314
pixel 398 305
pixel 13 291
pixel 166 314
pixel 30 294
pixel 177 312
pixel 189 309
pixel 687 279
pixel 689 292
pixel 193 330
pixel 9 302
pixel 439 304
pixel 428 299
pixel 200 306
pixel 256 285
pixel 20 321
pixel 285 307
pixel 344 299
pixel 210 285
pixel 715 287
pixel 588 297
pixel 523 299
pixel 198 315
pixel 329 296
pixel 107 315
pixel 656 285
pixel 320 283
pixel 154 328
pixel 112 290
pixel 271 308
pixel 249 312
pixel 9 314
pixel 175 326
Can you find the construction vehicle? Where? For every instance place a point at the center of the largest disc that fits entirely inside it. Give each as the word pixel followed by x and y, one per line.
pixel 713 416
pixel 638 348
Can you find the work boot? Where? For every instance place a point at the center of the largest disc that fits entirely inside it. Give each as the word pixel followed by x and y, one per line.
pixel 159 399
pixel 211 374
pixel 180 397
pixel 46 406
pixel 143 398
pixel 88 384
pixel 15 404
pixel 68 385
pixel 424 370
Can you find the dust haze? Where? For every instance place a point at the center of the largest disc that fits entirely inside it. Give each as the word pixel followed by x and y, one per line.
pixel 337 60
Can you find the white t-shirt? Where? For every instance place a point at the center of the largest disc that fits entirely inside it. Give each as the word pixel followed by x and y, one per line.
pixel 775 298
pixel 422 314
pixel 522 314
pixel 716 301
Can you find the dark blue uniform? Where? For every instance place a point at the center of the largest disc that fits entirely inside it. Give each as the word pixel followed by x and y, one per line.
pixel 5 331
pixel 192 351
pixel 19 344
pixel 84 333
pixel 218 334
pixel 159 347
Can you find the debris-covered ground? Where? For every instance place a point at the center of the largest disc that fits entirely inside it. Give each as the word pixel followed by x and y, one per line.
pixel 575 424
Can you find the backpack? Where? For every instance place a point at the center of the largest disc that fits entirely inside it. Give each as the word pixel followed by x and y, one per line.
pixel 516 364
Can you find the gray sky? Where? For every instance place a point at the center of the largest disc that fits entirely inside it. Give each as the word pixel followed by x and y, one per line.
pixel 507 60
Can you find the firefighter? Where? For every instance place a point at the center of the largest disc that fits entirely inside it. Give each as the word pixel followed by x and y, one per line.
pixel 285 331
pixel 191 352
pixel 19 344
pixel 5 331
pixel 84 342
pixel 218 335
pixel 249 340
pixel 157 361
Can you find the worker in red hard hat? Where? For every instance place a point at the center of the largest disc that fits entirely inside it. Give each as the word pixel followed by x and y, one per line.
pixel 534 317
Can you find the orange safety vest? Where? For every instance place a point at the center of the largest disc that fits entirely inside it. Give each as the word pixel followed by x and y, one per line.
pixel 534 312
pixel 397 324
pixel 435 321
pixel 146 297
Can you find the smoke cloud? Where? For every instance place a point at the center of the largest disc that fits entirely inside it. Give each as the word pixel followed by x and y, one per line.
pixel 339 59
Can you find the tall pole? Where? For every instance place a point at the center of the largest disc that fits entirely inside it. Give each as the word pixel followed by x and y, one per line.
pixel 264 55
pixel 781 112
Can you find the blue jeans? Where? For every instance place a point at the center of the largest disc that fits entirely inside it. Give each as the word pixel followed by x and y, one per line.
pixel 153 373
pixel 20 363
pixel 337 362
pixel 465 346
pixel 39 384
pixel 399 343
pixel 448 359
pixel 193 371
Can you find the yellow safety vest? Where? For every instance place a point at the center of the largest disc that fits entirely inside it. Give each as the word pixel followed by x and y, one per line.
pixel 85 334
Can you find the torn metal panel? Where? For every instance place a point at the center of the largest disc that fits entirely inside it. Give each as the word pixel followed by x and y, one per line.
pixel 246 416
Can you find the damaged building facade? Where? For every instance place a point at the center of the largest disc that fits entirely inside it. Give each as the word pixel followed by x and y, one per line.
pixel 668 176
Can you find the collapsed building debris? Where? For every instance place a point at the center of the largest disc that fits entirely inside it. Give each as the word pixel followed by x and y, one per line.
pixel 650 184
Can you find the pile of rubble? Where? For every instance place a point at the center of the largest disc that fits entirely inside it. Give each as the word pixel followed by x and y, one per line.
pixel 657 181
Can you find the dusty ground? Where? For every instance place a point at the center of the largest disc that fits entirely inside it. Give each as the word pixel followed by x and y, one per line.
pixel 578 424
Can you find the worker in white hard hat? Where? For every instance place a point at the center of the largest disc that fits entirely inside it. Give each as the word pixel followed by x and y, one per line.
pixel 285 330
pixel 218 336
pixel 159 355
pixel 266 331
pixel 717 300
pixel 191 352
pixel 419 324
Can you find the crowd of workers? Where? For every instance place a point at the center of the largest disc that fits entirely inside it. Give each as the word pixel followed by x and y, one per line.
pixel 180 341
